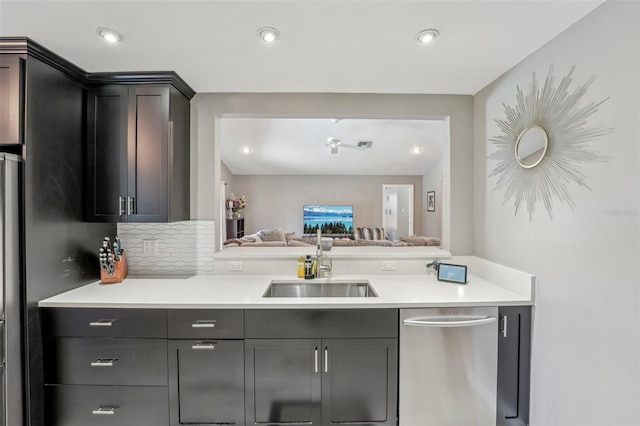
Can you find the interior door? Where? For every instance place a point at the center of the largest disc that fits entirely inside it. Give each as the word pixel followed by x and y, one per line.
pixel 397 202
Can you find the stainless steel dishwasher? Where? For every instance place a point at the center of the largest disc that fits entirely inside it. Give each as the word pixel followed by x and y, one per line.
pixel 448 366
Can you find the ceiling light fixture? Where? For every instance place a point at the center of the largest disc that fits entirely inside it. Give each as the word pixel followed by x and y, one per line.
pixel 246 150
pixel 111 35
pixel 427 36
pixel 416 150
pixel 268 34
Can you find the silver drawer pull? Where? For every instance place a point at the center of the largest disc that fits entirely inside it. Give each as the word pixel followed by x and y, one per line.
pixel 108 410
pixel 104 362
pixel 204 345
pixel 204 324
pixel 102 323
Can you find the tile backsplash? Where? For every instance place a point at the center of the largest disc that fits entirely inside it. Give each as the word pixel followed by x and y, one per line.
pixel 182 247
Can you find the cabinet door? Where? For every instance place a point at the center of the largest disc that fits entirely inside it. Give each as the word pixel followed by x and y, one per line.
pixel 206 382
pixel 11 99
pixel 359 384
pixel 107 109
pixel 148 152
pixel 283 381
pixel 514 358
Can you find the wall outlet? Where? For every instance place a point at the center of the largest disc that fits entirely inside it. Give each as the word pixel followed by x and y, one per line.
pixel 235 266
pixel 388 265
pixel 150 247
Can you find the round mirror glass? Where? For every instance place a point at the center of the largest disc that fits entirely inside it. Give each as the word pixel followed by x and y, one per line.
pixel 531 146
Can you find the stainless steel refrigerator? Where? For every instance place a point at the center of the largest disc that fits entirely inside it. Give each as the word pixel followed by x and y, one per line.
pixel 11 371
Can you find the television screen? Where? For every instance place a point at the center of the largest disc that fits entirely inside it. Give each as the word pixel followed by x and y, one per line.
pixel 329 219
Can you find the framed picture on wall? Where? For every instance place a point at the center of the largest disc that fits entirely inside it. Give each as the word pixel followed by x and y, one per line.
pixel 431 201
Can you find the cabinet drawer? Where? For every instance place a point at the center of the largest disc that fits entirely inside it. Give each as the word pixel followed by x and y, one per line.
pixel 81 322
pixel 106 405
pixel 206 324
pixel 100 361
pixel 310 323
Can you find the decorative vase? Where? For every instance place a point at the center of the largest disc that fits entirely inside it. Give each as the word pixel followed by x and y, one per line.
pixel 237 214
pixel 229 213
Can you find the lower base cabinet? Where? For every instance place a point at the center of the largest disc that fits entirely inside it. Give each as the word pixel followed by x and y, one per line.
pixel 73 405
pixel 514 364
pixel 206 382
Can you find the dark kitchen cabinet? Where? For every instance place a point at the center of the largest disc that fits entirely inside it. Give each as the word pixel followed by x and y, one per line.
pixel 514 363
pixel 12 84
pixel 321 367
pixel 137 153
pixel 206 384
pixel 235 228
pixel 283 381
pixel 206 366
pixel 359 383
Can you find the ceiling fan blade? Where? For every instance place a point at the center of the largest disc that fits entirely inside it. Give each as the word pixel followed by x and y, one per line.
pixel 334 149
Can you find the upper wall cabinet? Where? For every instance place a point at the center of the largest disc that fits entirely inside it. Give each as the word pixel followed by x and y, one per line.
pixel 137 151
pixel 11 99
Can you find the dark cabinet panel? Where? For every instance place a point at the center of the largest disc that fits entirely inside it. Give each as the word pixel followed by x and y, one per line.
pixel 514 361
pixel 359 384
pixel 148 153
pixel 206 324
pixel 104 322
pixel 206 382
pixel 89 361
pixel 283 381
pixel 12 83
pixel 107 110
pixel 106 405
pixel 138 153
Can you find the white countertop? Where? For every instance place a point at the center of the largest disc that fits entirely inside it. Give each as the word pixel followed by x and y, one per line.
pixel 245 292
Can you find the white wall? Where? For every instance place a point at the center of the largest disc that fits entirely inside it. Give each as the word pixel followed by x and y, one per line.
pixel 276 201
pixel 456 112
pixel 432 181
pixel 586 339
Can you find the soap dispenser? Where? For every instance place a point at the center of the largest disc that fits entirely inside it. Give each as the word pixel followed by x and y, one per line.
pixel 308 268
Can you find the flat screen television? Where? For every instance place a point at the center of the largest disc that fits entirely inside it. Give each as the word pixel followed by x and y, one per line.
pixel 330 219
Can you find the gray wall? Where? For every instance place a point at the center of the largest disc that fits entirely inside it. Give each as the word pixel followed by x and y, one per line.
pixel 456 110
pixel 586 340
pixel 276 201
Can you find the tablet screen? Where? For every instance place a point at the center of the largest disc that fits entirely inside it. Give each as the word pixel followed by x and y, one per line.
pixel 452 273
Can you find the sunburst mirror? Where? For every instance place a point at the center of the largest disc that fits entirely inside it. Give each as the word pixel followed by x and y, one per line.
pixel 543 142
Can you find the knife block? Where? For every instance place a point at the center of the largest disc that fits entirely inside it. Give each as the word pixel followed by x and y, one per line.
pixel 119 274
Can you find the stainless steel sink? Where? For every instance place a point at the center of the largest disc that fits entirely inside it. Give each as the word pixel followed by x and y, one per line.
pixel 320 289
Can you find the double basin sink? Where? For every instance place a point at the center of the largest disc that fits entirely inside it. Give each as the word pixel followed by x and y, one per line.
pixel 333 288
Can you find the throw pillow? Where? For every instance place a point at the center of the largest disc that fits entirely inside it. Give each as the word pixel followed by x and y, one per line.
pixel 272 235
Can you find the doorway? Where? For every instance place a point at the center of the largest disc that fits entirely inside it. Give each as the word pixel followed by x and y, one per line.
pixel 397 214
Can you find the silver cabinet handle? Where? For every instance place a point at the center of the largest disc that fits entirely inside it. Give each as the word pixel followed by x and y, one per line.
pixel 315 356
pixel 108 410
pixel 326 359
pixel 448 322
pixel 204 345
pixel 104 362
pixel 504 326
pixel 204 324
pixel 102 323
pixel 122 206
pixel 131 205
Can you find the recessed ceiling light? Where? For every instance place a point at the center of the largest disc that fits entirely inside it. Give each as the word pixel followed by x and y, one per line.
pixel 427 36
pixel 268 34
pixel 416 150
pixel 246 150
pixel 111 35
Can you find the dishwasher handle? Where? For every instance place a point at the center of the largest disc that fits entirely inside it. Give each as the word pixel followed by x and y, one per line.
pixel 448 321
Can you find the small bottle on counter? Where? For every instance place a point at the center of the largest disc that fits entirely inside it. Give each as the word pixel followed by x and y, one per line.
pixel 308 268
pixel 301 267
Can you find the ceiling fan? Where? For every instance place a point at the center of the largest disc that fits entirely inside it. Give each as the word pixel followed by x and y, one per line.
pixel 335 142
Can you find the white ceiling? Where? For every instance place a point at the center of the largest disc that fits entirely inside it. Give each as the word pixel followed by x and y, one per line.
pixel 347 46
pixel 298 146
